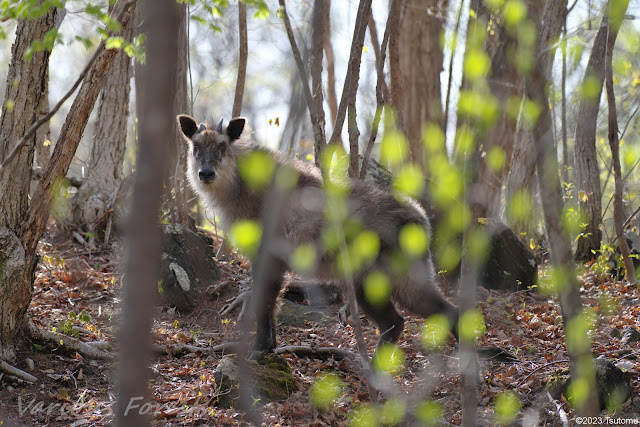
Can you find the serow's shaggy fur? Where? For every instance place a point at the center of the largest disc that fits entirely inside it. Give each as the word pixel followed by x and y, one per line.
pixel 214 153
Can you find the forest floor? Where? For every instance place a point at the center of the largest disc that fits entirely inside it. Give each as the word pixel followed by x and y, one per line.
pixel 74 390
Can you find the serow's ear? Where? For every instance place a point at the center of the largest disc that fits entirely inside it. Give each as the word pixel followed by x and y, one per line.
pixel 235 128
pixel 187 125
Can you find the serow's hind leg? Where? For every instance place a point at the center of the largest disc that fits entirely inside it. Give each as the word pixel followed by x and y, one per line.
pixel 390 323
pixel 264 299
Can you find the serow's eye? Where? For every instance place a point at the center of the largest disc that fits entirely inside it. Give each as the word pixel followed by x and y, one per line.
pixel 196 150
pixel 221 150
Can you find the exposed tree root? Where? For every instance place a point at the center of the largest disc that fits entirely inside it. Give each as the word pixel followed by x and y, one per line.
pixel 15 372
pixel 317 352
pixel 68 342
pixel 242 298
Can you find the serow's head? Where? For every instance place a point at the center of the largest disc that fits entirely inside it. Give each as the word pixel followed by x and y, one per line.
pixel 209 154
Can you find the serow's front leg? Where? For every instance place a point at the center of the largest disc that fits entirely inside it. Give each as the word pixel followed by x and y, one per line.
pixel 264 300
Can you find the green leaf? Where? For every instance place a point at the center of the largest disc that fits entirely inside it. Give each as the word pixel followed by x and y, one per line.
pixel 326 388
pixel 414 240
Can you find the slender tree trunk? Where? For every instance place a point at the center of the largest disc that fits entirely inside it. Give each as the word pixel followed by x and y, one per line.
pixel 586 157
pixel 421 61
pixel 351 81
pixel 332 100
pixel 563 88
pixel 24 88
pixel 578 343
pixel 97 195
pixel 242 59
pixel 143 263
pixel 317 47
pixel 613 24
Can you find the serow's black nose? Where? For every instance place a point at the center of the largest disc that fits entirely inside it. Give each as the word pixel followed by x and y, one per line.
pixel 206 175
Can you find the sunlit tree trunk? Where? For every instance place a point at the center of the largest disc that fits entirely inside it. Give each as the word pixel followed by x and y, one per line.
pixel 586 157
pixel 22 97
pixel 96 198
pixel 421 56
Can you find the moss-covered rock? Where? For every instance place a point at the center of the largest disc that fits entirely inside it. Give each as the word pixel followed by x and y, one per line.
pixel 270 379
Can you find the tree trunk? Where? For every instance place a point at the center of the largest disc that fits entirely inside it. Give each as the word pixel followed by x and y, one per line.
pixel 586 157
pixel 522 160
pixel 421 57
pixel 613 25
pixel 181 105
pixel 242 59
pixel 143 264
pixel 25 84
pixel 330 60
pixel 578 343
pixel 395 73
pixel 505 82
pixel 71 133
pixel 97 195
pixel 43 134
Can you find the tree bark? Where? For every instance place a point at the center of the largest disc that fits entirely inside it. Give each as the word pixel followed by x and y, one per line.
pixel 242 59
pixel 397 93
pixel 181 105
pixel 71 133
pixel 332 100
pixel 421 61
pixel 578 344
pixel 613 24
pixel 317 47
pixel 43 134
pixel 505 82
pixel 157 134
pixel 97 195
pixel 26 81
pixel 586 157
pixel 316 112
pixel 353 70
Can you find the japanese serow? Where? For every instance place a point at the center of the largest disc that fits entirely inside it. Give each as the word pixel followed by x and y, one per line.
pixel 353 231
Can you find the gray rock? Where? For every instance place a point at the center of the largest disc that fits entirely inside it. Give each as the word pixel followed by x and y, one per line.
pixel 187 266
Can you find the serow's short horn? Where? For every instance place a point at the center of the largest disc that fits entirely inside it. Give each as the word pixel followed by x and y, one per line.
pixel 202 127
pixel 219 126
